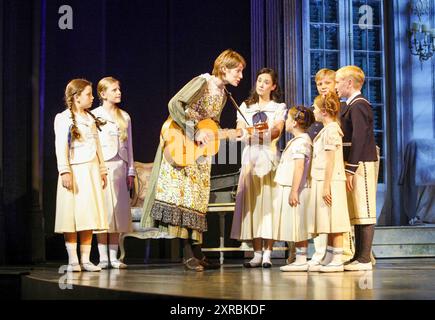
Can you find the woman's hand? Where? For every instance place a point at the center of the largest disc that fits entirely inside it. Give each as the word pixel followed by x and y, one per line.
pixel 67 181
pixel 203 137
pixel 130 182
pixel 104 180
pixel 327 197
pixel 293 199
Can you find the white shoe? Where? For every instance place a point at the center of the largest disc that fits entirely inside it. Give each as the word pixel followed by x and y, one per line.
pixel 118 264
pixel 314 266
pixel 358 266
pixel 104 264
pixel 332 267
pixel 74 267
pixel 294 267
pixel 89 266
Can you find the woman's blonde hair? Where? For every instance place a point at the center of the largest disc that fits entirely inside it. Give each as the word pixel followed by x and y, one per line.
pixel 330 103
pixel 229 59
pixel 103 85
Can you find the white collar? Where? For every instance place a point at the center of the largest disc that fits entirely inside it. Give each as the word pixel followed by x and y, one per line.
pixel 265 107
pixel 304 136
pixel 105 114
pixel 349 100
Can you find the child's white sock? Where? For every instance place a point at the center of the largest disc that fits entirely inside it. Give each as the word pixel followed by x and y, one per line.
pixel 337 256
pixel 102 250
pixel 85 252
pixel 301 255
pixel 113 252
pixel 258 255
pixel 328 256
pixel 71 249
pixel 266 256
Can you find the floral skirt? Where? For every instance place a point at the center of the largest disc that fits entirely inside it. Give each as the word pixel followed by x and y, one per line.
pixel 181 199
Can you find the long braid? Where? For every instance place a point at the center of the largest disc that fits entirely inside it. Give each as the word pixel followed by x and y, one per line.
pixel 74 130
pixel 74 87
pixel 98 121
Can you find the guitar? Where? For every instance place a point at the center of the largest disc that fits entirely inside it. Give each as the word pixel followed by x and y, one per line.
pixel 181 151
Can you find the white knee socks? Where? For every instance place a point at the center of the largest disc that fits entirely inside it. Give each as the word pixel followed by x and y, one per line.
pixel 71 249
pixel 258 255
pixel 102 250
pixel 113 252
pixel 266 256
pixel 85 252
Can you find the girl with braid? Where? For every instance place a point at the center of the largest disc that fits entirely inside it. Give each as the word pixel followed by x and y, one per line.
pixel 80 207
pixel 117 145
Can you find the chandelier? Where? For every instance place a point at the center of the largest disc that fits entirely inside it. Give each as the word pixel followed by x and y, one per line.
pixel 422 37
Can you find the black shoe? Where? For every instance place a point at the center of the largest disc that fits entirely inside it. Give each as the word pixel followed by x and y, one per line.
pixel 209 265
pixel 267 265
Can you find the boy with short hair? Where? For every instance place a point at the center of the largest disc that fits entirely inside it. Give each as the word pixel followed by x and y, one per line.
pixel 361 159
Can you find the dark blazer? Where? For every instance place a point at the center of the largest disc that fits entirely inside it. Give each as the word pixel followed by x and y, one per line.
pixel 359 144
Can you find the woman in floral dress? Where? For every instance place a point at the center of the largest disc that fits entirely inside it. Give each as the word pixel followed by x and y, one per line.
pixel 177 197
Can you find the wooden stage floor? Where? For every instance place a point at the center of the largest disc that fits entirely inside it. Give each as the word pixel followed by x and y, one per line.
pixel 391 279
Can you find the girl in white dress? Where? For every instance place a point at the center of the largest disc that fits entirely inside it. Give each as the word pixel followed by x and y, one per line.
pixel 293 186
pixel 117 145
pixel 253 217
pixel 328 203
pixel 80 206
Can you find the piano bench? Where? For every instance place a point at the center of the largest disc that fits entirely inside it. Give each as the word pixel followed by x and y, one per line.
pixel 222 209
pixel 139 232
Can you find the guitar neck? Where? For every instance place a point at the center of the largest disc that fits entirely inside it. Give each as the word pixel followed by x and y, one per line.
pixel 231 134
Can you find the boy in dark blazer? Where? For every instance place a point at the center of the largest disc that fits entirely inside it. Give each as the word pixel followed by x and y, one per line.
pixel 361 163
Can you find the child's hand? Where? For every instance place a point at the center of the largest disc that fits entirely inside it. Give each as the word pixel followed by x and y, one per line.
pixel 104 180
pixel 293 199
pixel 67 182
pixel 327 194
pixel 130 182
pixel 349 182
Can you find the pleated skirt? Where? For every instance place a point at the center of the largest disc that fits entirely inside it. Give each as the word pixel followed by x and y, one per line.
pixel 325 219
pixel 291 222
pixel 84 207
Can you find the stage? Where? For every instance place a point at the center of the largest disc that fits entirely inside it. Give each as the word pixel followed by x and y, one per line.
pixel 391 279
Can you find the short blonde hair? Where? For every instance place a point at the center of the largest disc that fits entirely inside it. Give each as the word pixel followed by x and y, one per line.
pixel 325 73
pixel 353 72
pixel 229 59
